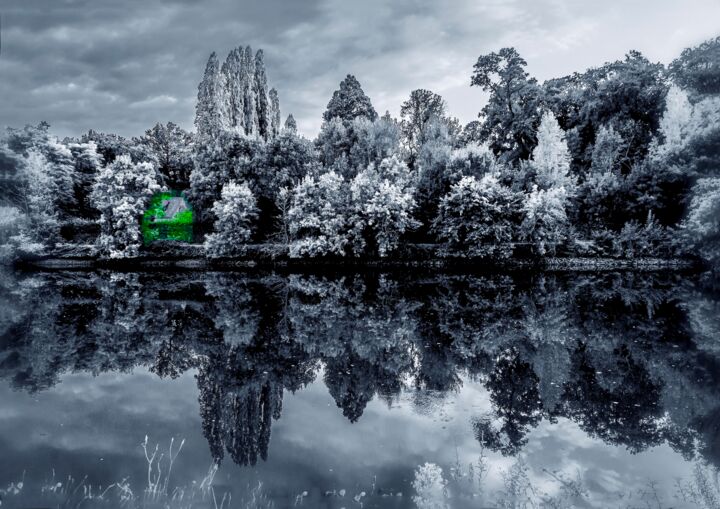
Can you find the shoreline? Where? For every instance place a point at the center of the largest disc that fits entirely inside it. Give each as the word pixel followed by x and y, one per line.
pixel 550 264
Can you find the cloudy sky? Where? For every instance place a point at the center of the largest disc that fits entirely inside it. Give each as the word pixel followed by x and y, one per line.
pixel 123 66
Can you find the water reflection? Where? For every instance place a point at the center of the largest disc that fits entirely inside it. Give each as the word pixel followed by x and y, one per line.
pixel 631 358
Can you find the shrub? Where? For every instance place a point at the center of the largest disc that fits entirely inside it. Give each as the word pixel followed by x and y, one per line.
pixel 478 218
pixel 318 217
pixel 235 213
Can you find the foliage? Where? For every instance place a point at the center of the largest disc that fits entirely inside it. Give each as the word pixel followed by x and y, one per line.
pixel 701 227
pixel 510 118
pixel 698 68
pixel 121 193
pixel 381 206
pixel 56 161
pixel 172 148
pixel 545 223
pixel 430 487
pixel 236 211
pixel 218 162
pixel 628 95
pixel 349 102
pixel 478 218
pixel 551 157
pixel 318 216
pixel 422 107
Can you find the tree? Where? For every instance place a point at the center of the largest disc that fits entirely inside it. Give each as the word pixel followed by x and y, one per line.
pixel 290 124
pixel 262 101
pixel 381 206
pixel 510 118
pixel 37 200
pixel 628 95
pixel 478 218
pixel 698 68
pixel 551 157
pixel 422 106
pixel 373 141
pixel 282 162
pixel 121 193
pixel 473 160
pixel 274 113
pixel 88 162
pixel 210 98
pixel 602 200
pixel 172 148
pixel 675 121
pixel 318 216
pixel 349 102
pixel 606 150
pixel 217 162
pixel 58 164
pixel 701 227
pixel 545 222
pixel 431 165
pixel 235 213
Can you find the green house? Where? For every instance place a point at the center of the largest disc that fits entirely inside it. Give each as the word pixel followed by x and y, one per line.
pixel 169 217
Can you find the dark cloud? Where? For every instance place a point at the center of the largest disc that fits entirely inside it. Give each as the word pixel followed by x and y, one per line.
pixel 122 66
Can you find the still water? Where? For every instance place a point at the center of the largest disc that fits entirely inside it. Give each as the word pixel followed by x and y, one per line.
pixel 396 390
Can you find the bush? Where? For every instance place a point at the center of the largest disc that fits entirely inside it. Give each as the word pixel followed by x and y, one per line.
pixel 381 207
pixel 318 217
pixel 478 218
pixel 235 213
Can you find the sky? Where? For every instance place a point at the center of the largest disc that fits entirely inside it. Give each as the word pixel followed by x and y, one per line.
pixel 123 66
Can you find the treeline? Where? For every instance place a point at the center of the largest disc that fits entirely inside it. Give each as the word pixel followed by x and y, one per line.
pixel 621 160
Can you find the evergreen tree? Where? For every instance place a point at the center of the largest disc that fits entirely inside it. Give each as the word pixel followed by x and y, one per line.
pixel 290 124
pixel 349 102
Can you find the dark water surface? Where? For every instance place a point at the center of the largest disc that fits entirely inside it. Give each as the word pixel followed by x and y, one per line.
pixel 568 390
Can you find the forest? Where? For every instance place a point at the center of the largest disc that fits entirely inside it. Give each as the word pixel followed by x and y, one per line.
pixel 620 161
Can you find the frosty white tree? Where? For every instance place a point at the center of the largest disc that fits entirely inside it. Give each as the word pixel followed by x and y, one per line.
pixel 551 157
pixel 318 215
pixel 121 193
pixel 236 211
pixel 382 203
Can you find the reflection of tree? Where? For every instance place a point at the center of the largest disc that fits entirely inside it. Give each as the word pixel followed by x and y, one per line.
pixel 631 358
pixel 513 388
pixel 239 418
pixel 363 332
pixel 626 414
pixel 242 379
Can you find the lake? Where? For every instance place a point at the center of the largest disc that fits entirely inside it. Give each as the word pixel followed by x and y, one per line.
pixel 392 390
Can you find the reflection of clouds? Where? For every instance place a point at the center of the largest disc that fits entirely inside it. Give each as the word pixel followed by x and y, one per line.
pixel 313 446
pixel 606 471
